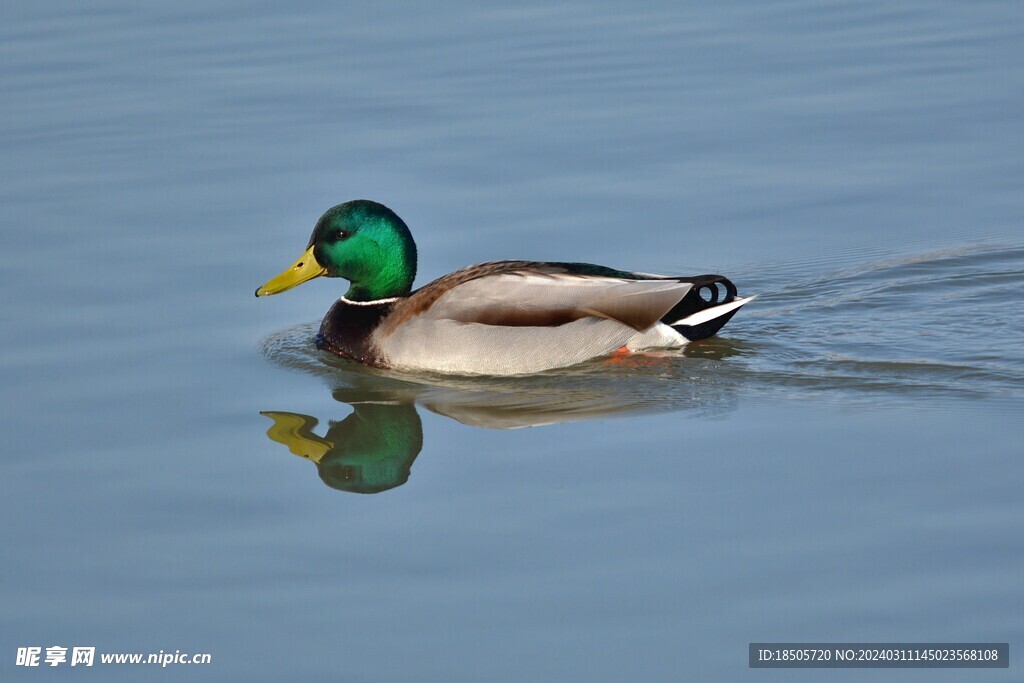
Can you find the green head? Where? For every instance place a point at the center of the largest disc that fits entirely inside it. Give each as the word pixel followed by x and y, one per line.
pixel 362 241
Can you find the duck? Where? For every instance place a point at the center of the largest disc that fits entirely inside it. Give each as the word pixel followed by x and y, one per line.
pixel 494 318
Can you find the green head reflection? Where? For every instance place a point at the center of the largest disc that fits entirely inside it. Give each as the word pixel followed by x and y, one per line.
pixel 370 451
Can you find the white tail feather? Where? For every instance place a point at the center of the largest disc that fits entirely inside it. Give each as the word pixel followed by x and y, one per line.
pixel 713 312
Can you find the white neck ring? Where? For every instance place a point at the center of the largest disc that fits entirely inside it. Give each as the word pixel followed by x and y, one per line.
pixel 375 302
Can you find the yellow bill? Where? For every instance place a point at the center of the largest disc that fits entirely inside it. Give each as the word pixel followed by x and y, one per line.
pixel 306 268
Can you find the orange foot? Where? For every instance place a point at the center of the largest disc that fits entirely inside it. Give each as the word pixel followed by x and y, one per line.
pixel 620 355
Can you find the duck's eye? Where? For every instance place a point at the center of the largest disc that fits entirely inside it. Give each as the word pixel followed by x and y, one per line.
pixel 342 235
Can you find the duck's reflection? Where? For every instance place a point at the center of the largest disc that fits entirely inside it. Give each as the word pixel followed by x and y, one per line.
pixel 373 448
pixel 369 451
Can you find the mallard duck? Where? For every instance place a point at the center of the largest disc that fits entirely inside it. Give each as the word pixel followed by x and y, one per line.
pixel 496 318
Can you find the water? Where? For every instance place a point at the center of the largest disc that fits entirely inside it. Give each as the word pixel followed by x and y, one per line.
pixel 841 464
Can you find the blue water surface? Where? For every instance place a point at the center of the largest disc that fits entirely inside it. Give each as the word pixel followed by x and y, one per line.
pixel 843 463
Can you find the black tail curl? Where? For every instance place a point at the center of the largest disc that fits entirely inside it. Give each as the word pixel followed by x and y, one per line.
pixel 707 291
